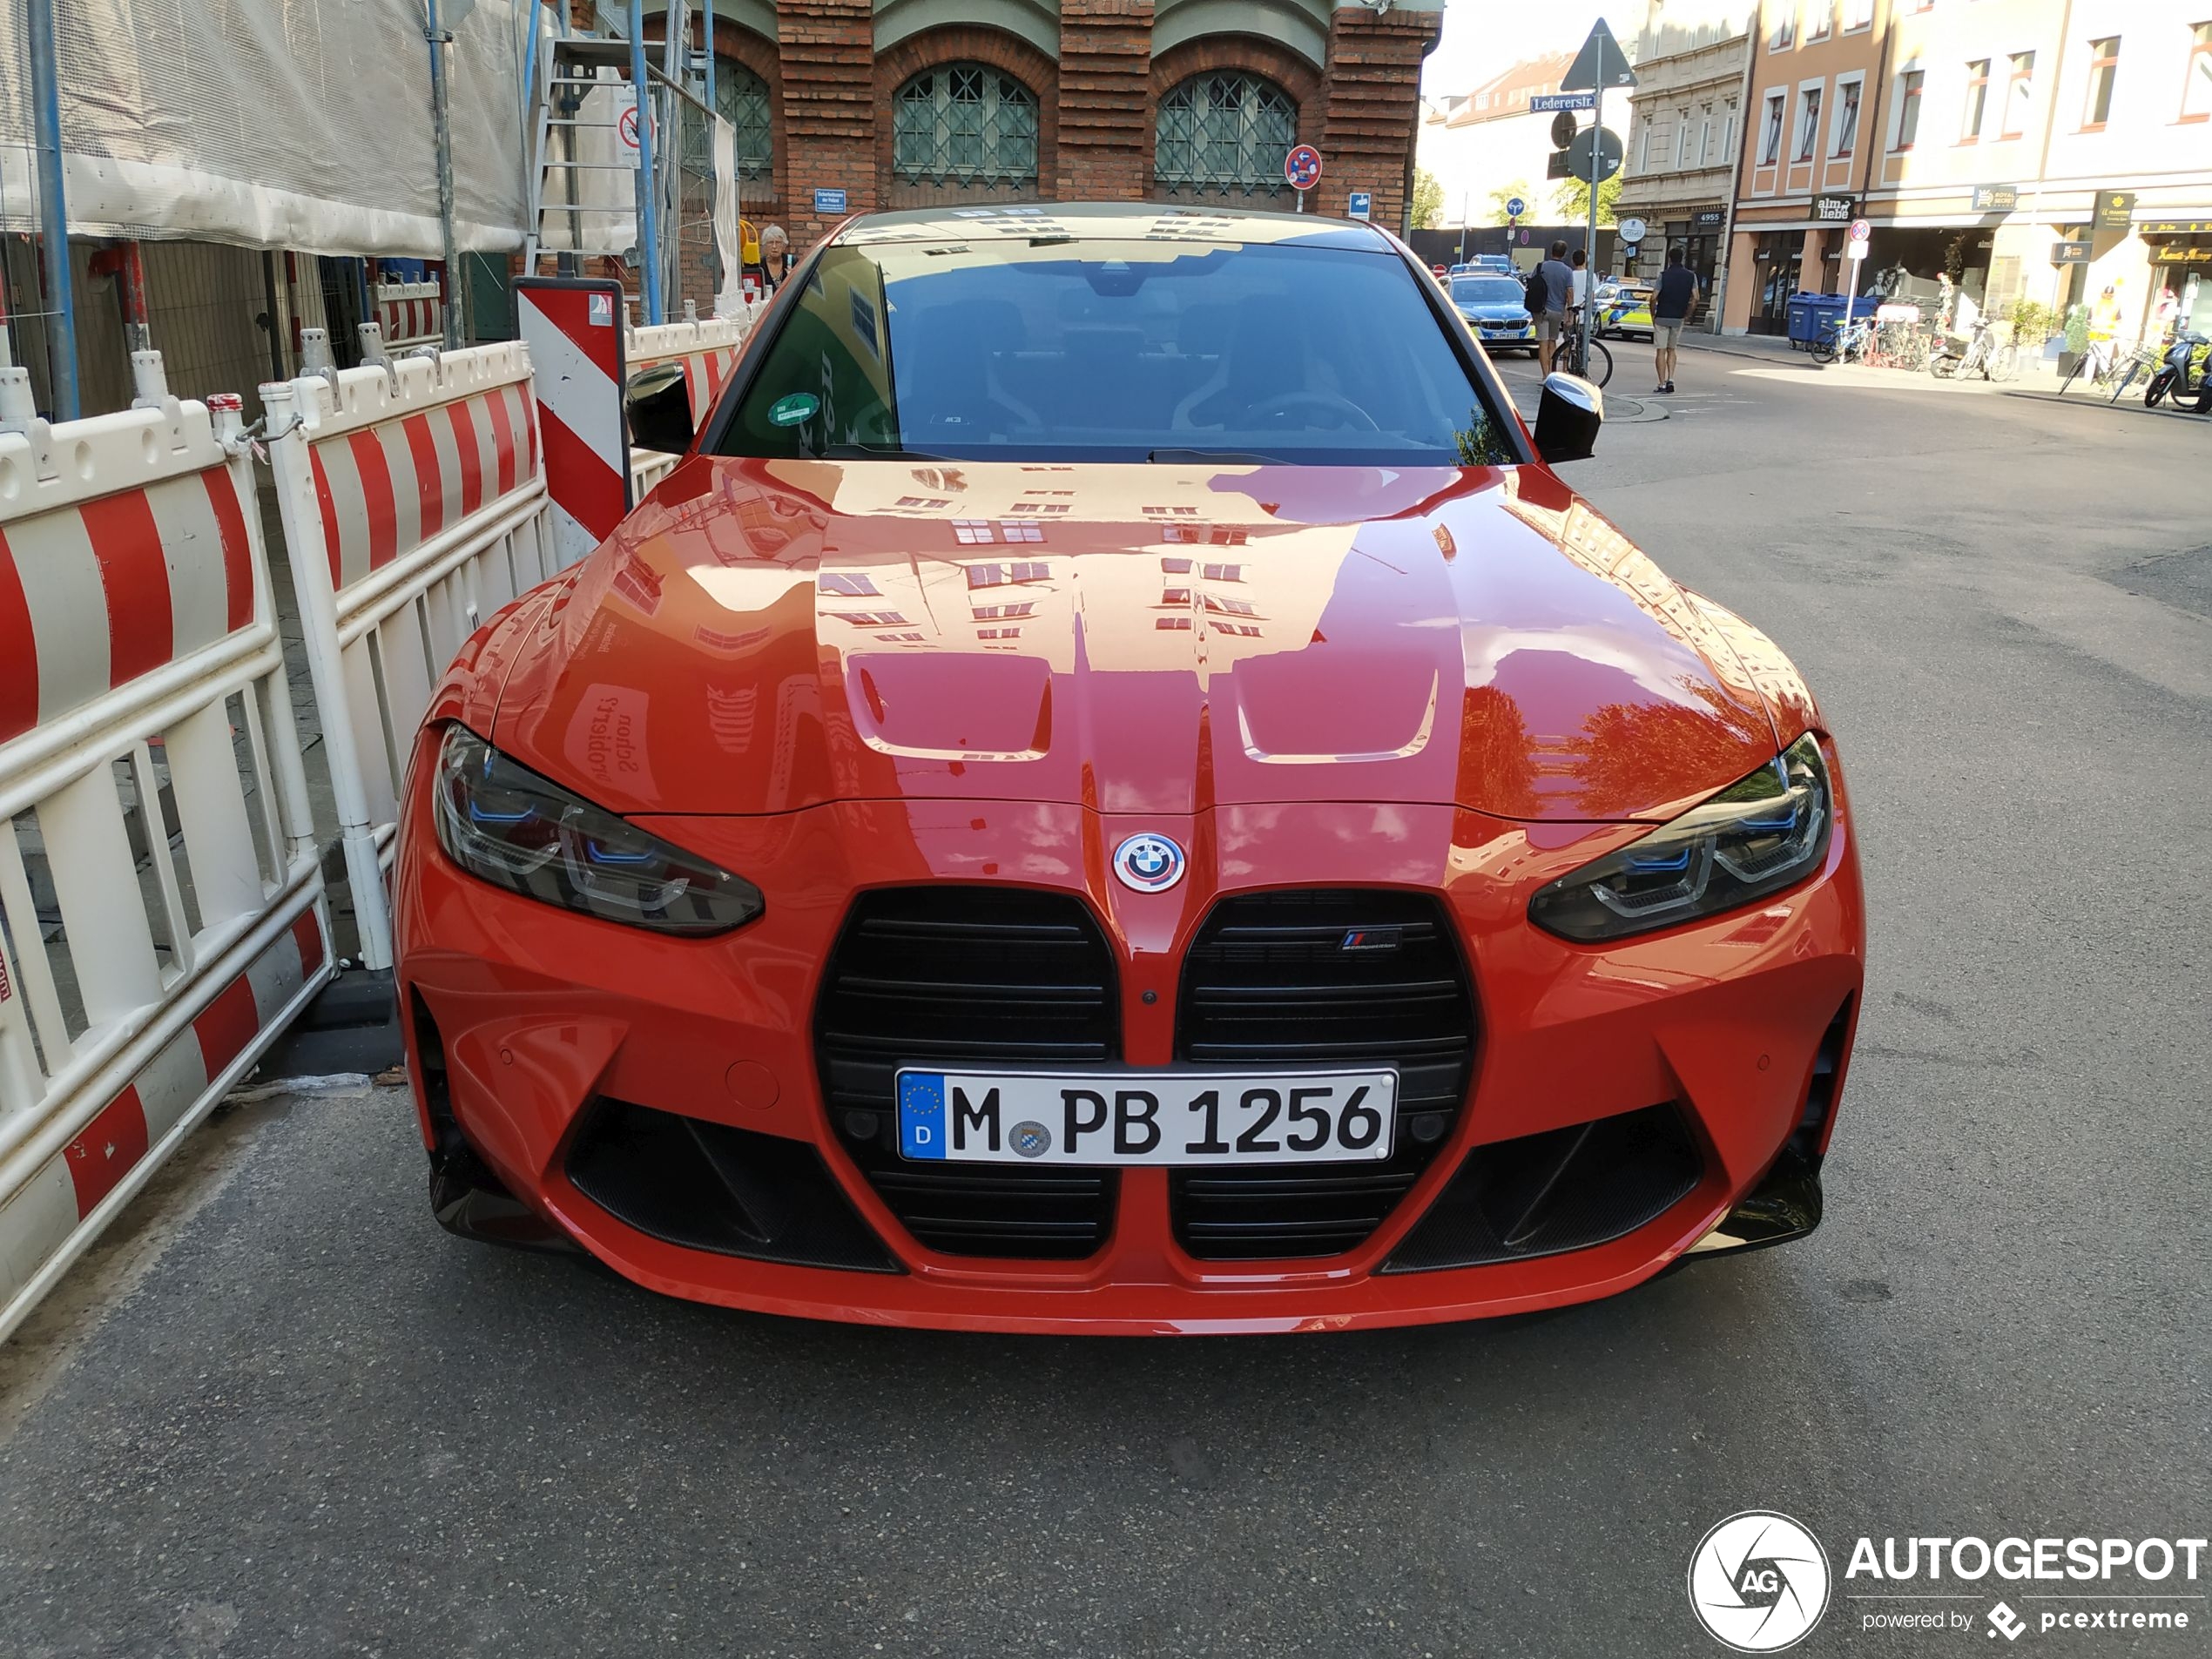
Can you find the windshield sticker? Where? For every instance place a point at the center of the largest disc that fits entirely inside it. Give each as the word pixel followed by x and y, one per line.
pixel 790 411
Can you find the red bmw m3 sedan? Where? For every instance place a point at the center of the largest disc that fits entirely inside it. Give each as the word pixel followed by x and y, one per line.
pixel 1115 790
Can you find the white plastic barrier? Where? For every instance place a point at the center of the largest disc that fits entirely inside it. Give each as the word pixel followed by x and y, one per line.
pixel 410 313
pixel 413 500
pixel 161 897
pixel 706 349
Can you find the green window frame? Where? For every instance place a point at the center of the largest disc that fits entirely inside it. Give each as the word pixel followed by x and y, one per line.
pixel 964 124
pixel 1225 132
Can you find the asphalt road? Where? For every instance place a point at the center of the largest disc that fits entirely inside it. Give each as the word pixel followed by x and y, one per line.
pixel 286 1416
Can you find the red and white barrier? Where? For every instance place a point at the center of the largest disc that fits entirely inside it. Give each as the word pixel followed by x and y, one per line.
pixel 47 1221
pixel 413 498
pixel 573 328
pixel 410 313
pixel 156 849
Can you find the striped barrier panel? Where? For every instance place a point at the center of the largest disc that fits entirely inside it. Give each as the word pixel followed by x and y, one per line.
pixel 573 328
pixel 410 313
pixel 159 888
pixel 413 499
pixel 708 350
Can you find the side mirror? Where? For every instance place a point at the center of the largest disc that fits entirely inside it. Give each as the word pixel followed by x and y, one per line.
pixel 1568 418
pixel 659 408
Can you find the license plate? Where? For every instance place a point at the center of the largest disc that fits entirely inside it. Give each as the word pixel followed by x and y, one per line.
pixel 1165 1118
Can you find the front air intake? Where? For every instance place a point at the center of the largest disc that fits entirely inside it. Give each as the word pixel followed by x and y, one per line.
pixel 1342 978
pixel 1562 1190
pixel 950 978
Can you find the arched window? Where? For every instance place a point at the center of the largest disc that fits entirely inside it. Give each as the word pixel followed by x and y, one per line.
pixel 1225 133
pixel 961 130
pixel 741 98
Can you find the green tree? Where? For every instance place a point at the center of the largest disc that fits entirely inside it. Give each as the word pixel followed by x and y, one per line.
pixel 1571 197
pixel 1428 200
pixel 1505 193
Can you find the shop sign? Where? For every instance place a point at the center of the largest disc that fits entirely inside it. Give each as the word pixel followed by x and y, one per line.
pixel 1844 209
pixel 2180 255
pixel 2175 227
pixel 1996 199
pixel 2115 210
pixel 1709 218
pixel 2069 254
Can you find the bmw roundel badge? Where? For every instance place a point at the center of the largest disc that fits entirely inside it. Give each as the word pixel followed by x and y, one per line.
pixel 1148 863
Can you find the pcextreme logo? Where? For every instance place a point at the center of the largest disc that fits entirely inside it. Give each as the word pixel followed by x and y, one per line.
pixel 1758 1581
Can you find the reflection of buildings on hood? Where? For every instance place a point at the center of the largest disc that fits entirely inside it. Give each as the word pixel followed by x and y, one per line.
pixel 1152 567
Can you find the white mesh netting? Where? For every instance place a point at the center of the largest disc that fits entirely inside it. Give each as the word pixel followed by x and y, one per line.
pixel 297 124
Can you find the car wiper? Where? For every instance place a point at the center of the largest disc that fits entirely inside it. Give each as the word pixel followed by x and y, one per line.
pixel 874 452
pixel 1232 457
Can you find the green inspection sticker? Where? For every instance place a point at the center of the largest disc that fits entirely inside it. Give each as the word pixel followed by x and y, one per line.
pixel 790 411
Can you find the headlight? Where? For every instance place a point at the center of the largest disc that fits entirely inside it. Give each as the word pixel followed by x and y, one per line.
pixel 1756 837
pixel 515 829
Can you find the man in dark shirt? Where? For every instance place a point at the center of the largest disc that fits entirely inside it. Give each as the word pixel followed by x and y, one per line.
pixel 1559 288
pixel 1671 308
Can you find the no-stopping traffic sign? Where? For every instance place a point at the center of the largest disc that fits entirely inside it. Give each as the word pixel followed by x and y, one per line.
pixel 1303 167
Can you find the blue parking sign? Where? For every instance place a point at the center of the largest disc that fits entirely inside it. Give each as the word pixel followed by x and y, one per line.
pixel 1363 204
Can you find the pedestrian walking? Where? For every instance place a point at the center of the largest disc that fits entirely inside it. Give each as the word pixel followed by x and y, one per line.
pixel 1671 303
pixel 1557 278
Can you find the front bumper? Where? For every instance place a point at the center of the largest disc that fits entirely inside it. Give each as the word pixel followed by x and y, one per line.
pixel 541 1019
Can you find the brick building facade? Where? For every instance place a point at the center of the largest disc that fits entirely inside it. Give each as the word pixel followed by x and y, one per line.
pixel 897 105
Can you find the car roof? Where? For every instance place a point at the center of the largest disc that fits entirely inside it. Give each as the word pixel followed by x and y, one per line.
pixel 1027 221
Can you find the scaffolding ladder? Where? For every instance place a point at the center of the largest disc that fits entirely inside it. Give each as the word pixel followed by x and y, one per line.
pixel 561 179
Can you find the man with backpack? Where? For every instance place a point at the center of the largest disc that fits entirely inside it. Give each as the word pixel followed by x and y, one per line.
pixel 1546 292
pixel 1670 307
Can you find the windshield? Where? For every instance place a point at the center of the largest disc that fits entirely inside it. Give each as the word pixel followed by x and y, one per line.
pixel 1486 290
pixel 1066 348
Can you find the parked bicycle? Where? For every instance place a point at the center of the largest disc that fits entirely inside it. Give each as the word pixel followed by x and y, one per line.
pixel 2110 369
pixel 1597 366
pixel 2143 359
pixel 1901 345
pixel 1846 341
pixel 1982 355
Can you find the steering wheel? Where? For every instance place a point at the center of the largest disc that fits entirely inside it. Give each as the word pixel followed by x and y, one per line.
pixel 1350 415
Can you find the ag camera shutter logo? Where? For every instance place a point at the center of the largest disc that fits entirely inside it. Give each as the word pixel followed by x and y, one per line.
pixel 1758 1581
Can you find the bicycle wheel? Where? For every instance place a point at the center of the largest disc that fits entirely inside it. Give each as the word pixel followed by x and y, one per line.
pixel 1944 366
pixel 1600 368
pixel 2002 363
pixel 2121 382
pixel 2074 374
pixel 1823 349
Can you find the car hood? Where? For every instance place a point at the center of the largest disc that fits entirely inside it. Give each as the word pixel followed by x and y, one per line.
pixel 763 636
pixel 1500 312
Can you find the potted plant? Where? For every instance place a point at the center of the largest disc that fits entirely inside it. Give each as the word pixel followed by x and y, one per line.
pixel 2032 323
pixel 2077 337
